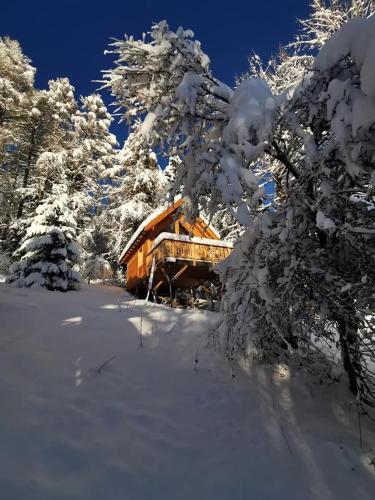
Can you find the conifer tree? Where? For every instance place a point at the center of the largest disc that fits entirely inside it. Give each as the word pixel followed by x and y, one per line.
pixel 138 187
pixel 16 83
pixel 48 252
pixel 45 125
pixel 39 128
pixel 94 242
pixel 93 152
pixel 16 91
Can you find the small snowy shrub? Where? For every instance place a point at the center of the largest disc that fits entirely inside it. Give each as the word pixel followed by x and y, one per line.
pixel 96 268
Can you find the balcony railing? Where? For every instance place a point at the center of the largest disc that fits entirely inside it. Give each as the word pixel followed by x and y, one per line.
pixel 169 245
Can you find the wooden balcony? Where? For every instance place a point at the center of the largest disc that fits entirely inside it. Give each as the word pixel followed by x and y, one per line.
pixel 169 248
pixel 179 260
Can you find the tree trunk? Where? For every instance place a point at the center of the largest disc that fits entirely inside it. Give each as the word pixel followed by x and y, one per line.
pixel 26 174
pixel 347 329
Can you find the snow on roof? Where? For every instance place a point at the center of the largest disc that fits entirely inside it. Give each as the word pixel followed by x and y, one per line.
pixel 149 219
pixel 140 229
pixel 188 239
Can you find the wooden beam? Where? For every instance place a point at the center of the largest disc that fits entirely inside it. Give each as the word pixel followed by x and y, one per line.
pixel 206 231
pixel 168 280
pixel 198 228
pixel 158 284
pixel 165 274
pixel 178 274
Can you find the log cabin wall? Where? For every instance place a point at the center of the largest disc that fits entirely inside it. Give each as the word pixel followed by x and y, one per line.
pixel 132 270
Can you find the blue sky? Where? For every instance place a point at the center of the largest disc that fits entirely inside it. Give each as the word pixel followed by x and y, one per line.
pixel 68 37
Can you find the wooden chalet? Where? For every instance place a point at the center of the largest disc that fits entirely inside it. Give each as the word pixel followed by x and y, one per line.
pixel 175 253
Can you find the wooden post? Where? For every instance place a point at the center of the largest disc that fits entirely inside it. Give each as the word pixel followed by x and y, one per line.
pixel 155 290
pixel 169 282
pixel 157 285
pixel 151 279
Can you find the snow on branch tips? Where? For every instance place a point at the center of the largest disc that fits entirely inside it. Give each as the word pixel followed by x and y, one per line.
pixel 166 83
pixel 303 268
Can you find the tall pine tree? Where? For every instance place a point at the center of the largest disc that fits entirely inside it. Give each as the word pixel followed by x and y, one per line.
pixel 138 186
pixel 48 252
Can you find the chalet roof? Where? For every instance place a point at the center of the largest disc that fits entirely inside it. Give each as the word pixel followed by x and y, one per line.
pixel 158 214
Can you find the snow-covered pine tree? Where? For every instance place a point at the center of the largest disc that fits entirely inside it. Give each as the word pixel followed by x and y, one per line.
pixel 138 186
pixel 325 18
pixel 16 83
pixel 34 126
pixel 63 107
pixel 48 253
pixel 16 90
pixel 94 243
pixel 289 65
pixel 46 125
pixel 294 60
pixel 186 81
pixel 48 129
pixel 93 153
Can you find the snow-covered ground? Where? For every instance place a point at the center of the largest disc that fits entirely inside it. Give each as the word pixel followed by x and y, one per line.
pixel 149 425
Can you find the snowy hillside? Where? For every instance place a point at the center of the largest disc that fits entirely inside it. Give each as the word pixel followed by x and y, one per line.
pixel 147 425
